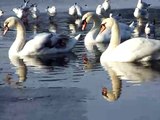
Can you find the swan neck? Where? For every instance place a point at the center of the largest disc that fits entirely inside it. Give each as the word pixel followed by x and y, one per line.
pixel 19 42
pixel 115 36
pixel 96 22
pixel 21 32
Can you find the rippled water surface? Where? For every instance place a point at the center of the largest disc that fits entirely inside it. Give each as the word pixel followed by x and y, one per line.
pixel 63 87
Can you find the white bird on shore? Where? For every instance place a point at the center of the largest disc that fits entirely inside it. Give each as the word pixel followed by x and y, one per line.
pixel 118 17
pixel 35 13
pixel 51 11
pixel 25 5
pixel 1 13
pixel 141 13
pixel 103 10
pixel 100 10
pixel 142 5
pixel 150 30
pixel 106 5
pixel 18 12
pixel 75 10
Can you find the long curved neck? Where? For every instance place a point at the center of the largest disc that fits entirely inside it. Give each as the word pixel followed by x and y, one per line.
pixel 115 36
pixel 96 26
pixel 20 39
pixel 96 22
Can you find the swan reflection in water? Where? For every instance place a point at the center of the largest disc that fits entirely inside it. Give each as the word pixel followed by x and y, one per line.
pixel 21 71
pixel 135 73
pixel 45 62
pixel 92 55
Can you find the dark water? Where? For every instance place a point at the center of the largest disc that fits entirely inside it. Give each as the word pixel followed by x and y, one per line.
pixel 63 87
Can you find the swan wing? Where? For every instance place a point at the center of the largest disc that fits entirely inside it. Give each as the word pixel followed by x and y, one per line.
pixel 40 41
pixel 48 43
pixel 137 49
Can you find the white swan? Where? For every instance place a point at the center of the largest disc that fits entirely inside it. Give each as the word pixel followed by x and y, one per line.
pixel 94 36
pixel 43 43
pixel 132 50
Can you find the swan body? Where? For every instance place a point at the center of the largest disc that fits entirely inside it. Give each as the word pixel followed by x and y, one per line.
pixel 94 36
pixel 132 50
pixel 42 43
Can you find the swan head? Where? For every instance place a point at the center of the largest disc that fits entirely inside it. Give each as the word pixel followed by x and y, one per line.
pixel 107 24
pixel 87 17
pixel 109 95
pixel 9 23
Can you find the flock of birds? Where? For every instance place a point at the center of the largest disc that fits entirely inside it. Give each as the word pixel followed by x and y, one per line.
pixel 107 28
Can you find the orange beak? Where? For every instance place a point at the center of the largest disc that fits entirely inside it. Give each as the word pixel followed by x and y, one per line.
pixel 103 27
pixel 5 29
pixel 84 24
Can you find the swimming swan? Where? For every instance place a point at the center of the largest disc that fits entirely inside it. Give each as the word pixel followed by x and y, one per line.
pixel 132 50
pixel 41 44
pixel 94 36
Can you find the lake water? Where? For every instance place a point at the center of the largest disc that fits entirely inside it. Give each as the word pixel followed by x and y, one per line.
pixel 62 87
